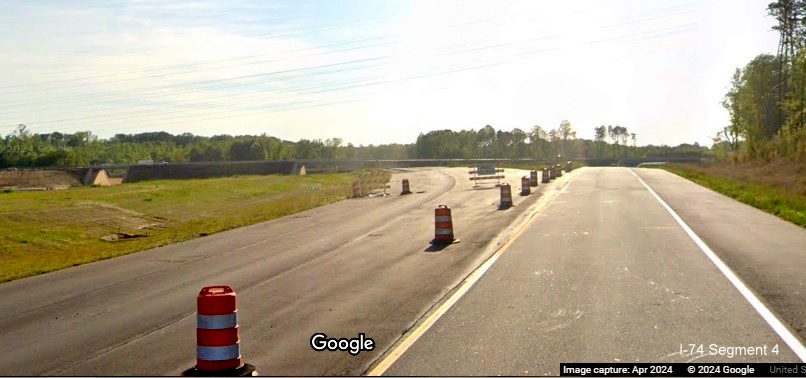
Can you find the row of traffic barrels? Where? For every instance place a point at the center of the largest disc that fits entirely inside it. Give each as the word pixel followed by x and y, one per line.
pixel 218 351
pixel 527 182
pixel 443 221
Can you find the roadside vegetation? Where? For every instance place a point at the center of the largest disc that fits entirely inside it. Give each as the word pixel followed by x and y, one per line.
pixel 767 98
pixel 45 231
pixel 776 188
pixel 761 154
pixel 25 149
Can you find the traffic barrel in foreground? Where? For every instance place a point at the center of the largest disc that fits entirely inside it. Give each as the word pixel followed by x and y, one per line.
pixel 405 187
pixel 506 196
pixel 443 226
pixel 356 189
pixel 525 191
pixel 533 178
pixel 218 348
pixel 552 173
pixel 559 171
pixel 546 176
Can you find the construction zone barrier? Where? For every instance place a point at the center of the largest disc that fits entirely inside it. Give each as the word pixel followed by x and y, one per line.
pixel 525 189
pixel 405 185
pixel 552 173
pixel 569 166
pixel 443 226
pixel 218 348
pixel 506 196
pixel 545 176
pixel 485 172
pixel 559 171
pixel 532 178
pixel 371 184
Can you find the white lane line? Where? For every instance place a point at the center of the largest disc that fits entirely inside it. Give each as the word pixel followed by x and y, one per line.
pixel 762 310
pixel 471 280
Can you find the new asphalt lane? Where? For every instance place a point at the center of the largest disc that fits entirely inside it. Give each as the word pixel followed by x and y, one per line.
pixel 358 266
pixel 605 274
pixel 601 273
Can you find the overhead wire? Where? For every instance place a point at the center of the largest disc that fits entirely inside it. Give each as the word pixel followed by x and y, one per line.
pixel 358 84
pixel 203 63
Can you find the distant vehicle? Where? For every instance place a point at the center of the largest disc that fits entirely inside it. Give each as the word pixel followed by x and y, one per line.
pixel 145 162
pixel 163 162
pixel 12 169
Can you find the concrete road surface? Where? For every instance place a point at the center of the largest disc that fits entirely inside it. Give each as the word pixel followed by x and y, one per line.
pixel 358 266
pixel 606 274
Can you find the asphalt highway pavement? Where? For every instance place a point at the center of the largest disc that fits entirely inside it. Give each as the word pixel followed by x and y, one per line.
pixel 589 268
pixel 604 273
pixel 358 266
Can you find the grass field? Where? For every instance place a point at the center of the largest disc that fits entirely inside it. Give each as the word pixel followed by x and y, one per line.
pixel 50 230
pixel 778 188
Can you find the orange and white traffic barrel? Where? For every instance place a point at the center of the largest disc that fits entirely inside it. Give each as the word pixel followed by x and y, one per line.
pixel 569 166
pixel 532 178
pixel 443 226
pixel 546 176
pixel 525 190
pixel 405 185
pixel 218 348
pixel 506 196
pixel 559 171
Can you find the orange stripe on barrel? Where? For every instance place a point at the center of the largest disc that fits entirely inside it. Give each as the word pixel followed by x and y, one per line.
pixel 217 339
pixel 443 224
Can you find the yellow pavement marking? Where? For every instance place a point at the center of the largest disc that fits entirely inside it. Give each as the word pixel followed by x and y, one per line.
pixel 416 333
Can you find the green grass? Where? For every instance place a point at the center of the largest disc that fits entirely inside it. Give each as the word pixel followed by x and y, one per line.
pixel 50 230
pixel 787 205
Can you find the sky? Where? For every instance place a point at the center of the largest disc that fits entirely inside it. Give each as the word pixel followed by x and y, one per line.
pixel 375 71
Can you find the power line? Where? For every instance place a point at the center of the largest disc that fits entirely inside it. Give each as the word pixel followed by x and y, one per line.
pixel 649 33
pixel 169 74
pixel 306 72
pixel 271 73
pixel 201 63
pixel 340 88
pixel 127 97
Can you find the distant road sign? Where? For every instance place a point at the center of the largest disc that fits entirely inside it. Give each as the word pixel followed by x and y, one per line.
pixel 485 170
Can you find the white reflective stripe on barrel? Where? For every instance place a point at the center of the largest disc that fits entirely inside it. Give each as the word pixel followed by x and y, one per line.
pixel 217 321
pixel 443 218
pixel 218 353
pixel 444 231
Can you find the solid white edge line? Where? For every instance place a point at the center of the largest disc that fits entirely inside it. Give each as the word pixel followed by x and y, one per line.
pixel 407 341
pixel 762 310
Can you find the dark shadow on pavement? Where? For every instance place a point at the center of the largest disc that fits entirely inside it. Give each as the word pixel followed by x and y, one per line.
pixel 436 247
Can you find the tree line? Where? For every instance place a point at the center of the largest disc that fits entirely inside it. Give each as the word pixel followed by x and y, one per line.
pixel 23 148
pixel 766 103
pixel 767 98
pixel 538 143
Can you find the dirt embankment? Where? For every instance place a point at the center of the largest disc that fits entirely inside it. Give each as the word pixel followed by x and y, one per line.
pixel 40 178
pixel 139 173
